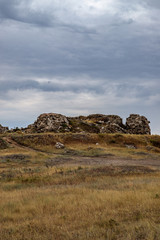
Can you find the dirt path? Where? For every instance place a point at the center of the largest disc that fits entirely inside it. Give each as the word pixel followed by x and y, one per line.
pixel 63 159
pixel 14 144
pixel 103 161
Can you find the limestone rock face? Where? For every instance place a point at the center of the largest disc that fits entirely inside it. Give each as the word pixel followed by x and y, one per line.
pixel 95 123
pixel 136 124
pixel 3 129
pixel 51 122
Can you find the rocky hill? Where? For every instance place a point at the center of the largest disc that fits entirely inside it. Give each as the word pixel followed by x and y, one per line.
pixel 95 123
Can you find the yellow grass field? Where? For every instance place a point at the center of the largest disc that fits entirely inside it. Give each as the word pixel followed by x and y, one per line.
pixel 107 191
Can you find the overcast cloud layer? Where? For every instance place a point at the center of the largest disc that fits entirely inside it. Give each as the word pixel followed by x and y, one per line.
pixel 79 57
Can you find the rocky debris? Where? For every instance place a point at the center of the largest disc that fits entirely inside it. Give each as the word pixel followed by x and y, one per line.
pixel 130 146
pixel 3 129
pixel 59 145
pixel 95 123
pixel 136 124
pixel 51 122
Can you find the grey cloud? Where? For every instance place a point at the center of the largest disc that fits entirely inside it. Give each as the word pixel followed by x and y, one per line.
pixel 19 11
pixel 62 53
pixel 6 86
pixel 49 86
pixel 24 106
pixel 101 60
pixel 153 3
pixel 57 15
pixel 138 90
pixel 8 9
pixel 99 87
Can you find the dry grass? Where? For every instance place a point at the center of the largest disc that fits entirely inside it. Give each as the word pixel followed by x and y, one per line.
pixel 68 202
pixel 120 145
pixel 71 203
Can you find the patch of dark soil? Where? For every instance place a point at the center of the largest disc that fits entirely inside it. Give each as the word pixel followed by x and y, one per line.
pixel 142 153
pixel 57 161
pixel 33 140
pixel 89 152
pixel 71 152
pixel 121 170
pixel 15 158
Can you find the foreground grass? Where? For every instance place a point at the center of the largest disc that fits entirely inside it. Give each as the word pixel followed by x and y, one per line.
pixel 81 203
pixel 46 195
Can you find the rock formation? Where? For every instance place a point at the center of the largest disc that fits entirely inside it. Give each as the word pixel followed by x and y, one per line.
pixel 3 129
pixel 136 124
pixel 95 123
pixel 50 122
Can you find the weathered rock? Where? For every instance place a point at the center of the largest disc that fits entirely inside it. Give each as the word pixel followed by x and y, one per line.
pixel 95 123
pixel 112 128
pixel 136 124
pixel 59 145
pixel 108 123
pixel 3 129
pixel 51 122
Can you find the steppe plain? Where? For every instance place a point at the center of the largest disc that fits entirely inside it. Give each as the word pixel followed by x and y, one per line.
pixel 99 186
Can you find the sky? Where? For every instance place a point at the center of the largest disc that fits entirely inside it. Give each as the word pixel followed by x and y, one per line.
pixel 78 58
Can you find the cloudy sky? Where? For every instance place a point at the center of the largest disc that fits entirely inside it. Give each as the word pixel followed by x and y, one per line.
pixel 79 57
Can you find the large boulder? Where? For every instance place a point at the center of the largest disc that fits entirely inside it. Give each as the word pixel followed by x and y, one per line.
pixel 136 124
pixel 51 122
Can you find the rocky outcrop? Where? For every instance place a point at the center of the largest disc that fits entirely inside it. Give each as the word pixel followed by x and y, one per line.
pixel 3 129
pixel 50 122
pixel 95 123
pixel 136 124
pixel 108 123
